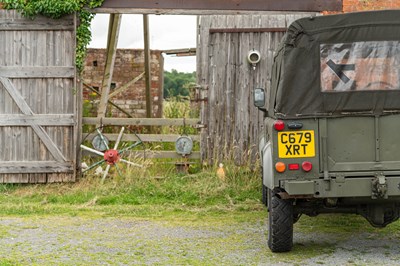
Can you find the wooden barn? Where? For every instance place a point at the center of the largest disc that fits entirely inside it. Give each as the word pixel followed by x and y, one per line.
pixel 39 118
pixel 227 75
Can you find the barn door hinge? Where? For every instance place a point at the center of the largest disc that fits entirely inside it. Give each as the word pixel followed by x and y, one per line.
pixel 200 126
pixel 197 93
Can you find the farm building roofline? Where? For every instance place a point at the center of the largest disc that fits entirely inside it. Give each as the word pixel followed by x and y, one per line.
pixel 199 7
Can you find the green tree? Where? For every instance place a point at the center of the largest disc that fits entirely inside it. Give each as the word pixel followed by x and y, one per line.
pixel 177 83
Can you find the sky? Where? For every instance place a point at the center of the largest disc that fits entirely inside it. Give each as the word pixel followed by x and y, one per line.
pixel 166 32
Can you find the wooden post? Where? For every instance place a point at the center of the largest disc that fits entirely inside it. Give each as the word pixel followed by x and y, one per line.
pixel 113 32
pixel 147 66
pixel 110 102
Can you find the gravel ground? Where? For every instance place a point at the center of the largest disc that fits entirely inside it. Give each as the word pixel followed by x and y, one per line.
pixel 129 241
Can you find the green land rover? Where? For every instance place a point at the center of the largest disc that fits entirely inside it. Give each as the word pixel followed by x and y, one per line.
pixel 331 140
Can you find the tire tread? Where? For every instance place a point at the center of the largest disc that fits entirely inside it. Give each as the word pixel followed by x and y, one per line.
pixel 280 235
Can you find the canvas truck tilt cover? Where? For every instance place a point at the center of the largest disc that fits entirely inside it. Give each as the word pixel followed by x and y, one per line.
pixel 331 121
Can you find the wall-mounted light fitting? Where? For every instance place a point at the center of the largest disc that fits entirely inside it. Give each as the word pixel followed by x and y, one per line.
pixel 254 57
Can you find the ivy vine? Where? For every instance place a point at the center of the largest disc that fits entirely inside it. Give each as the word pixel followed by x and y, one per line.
pixel 59 8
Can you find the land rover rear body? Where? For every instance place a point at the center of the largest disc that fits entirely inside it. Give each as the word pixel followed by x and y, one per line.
pixel 331 141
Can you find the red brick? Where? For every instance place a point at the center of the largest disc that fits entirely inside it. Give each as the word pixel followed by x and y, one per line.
pixel 129 63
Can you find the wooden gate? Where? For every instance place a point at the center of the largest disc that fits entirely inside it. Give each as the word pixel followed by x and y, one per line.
pixel 38 109
pixel 232 122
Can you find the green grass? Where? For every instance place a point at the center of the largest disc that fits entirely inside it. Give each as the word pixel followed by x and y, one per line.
pixel 158 187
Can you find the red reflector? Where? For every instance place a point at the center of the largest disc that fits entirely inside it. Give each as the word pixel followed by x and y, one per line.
pixel 294 166
pixel 307 166
pixel 279 125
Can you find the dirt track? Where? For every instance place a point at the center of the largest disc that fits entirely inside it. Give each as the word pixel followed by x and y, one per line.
pixel 128 241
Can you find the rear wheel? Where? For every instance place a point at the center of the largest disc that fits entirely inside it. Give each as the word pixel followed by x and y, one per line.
pixel 280 225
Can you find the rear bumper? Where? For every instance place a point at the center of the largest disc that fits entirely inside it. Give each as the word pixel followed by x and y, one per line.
pixel 346 187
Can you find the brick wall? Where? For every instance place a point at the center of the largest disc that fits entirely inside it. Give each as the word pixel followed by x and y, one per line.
pixel 363 5
pixel 129 63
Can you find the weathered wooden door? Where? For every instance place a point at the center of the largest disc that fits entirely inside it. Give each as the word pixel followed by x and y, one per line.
pixel 232 123
pixel 38 110
pixel 232 117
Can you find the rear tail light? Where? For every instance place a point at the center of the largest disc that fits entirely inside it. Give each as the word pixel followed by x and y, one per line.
pixel 307 166
pixel 280 167
pixel 279 125
pixel 293 166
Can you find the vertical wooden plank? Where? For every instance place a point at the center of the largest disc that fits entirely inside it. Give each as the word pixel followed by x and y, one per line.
pixel 10 109
pixel 53 94
pixel 147 68
pixel 220 87
pixel 211 96
pixel 115 21
pixel 77 108
pixel 202 70
pixel 230 91
pixel 243 101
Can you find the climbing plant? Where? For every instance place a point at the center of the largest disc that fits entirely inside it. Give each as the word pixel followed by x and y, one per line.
pixel 58 8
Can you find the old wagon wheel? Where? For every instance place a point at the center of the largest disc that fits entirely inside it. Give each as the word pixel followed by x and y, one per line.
pixel 98 144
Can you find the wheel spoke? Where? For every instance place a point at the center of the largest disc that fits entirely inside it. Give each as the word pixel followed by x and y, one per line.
pixel 92 150
pixel 93 166
pixel 119 138
pixel 119 170
pixel 130 147
pixel 105 173
pixel 131 163
pixel 102 138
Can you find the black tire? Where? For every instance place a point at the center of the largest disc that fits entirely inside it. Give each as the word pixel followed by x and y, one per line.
pixel 280 223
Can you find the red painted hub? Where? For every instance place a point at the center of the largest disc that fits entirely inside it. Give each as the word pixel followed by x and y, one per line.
pixel 111 156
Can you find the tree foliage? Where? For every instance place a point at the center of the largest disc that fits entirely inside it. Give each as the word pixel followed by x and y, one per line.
pixel 178 83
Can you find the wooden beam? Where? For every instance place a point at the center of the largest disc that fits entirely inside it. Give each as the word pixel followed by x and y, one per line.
pixel 246 30
pixel 151 154
pixel 41 24
pixel 37 72
pixel 188 12
pixel 143 137
pixel 147 65
pixel 31 167
pixel 110 121
pixel 181 52
pixel 127 85
pixel 113 33
pixel 210 7
pixel 40 120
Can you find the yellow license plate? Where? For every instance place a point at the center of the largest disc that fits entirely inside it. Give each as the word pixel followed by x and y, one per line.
pixel 296 144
